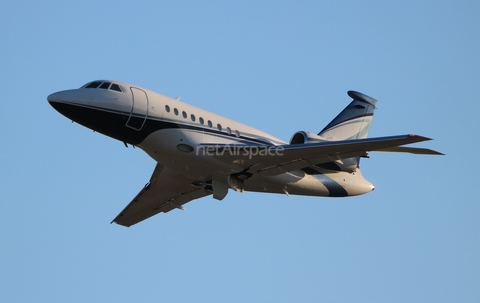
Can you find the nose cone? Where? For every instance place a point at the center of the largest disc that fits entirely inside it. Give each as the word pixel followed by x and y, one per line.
pixel 65 103
pixel 55 97
pixel 61 97
pixel 57 100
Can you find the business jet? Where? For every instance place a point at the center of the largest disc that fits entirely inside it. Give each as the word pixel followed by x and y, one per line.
pixel 199 153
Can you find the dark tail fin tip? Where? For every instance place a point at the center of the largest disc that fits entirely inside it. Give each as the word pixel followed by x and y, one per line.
pixel 362 97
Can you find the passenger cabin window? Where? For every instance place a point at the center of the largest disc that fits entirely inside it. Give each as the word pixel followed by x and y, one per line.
pixel 167 108
pixel 175 111
pixel 210 124
pixel 219 127
pixel 201 120
pixel 192 116
pixel 184 114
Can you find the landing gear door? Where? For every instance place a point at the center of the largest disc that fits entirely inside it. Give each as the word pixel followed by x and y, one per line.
pixel 139 111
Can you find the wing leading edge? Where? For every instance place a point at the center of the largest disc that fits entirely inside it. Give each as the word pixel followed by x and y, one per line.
pixel 166 190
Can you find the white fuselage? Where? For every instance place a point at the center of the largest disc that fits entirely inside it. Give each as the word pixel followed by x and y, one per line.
pixel 170 131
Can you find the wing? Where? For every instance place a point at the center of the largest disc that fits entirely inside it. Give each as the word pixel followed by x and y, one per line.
pixel 166 190
pixel 275 160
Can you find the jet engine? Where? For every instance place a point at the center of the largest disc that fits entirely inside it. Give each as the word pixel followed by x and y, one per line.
pixel 302 137
pixel 339 164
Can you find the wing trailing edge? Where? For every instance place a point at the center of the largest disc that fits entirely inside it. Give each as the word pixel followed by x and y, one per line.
pixel 411 150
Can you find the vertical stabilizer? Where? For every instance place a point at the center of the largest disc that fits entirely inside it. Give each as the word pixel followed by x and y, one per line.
pixel 354 121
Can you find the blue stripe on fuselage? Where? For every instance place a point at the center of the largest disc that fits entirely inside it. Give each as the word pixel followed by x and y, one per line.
pixel 334 188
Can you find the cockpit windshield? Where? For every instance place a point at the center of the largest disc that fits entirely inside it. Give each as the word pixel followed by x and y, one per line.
pixel 103 85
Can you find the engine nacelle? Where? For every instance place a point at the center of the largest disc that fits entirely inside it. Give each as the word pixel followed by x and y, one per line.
pixel 302 137
pixel 347 165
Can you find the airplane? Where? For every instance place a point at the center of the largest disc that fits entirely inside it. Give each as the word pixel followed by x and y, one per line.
pixel 199 153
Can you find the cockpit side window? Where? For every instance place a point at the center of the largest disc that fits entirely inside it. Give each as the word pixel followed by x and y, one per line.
pixel 105 85
pixel 115 87
pixel 93 84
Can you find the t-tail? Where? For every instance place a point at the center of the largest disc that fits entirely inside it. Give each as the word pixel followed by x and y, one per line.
pixel 354 121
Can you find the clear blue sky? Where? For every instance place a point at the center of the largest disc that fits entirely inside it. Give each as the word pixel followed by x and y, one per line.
pixel 280 66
